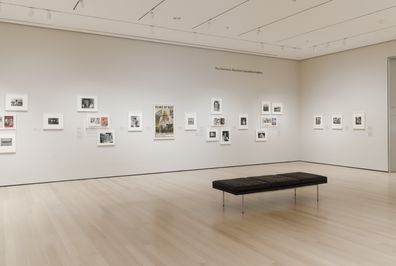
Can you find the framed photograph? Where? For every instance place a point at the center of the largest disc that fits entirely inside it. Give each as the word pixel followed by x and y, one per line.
pixel 274 121
pixel 135 121
pixel 190 121
pixel 8 143
pixel 7 121
pixel 218 121
pixel 243 122
pixel 225 137
pixel 52 121
pixel 212 135
pixel 277 109
pixel 16 102
pixel 261 135
pixel 265 121
pixel 336 121
pixel 318 122
pixel 87 104
pixel 106 138
pixel 265 108
pixel 164 117
pixel 359 121
pixel 216 106
pixel 98 121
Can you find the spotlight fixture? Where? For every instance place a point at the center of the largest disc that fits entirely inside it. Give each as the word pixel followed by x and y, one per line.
pixel 31 12
pixel 49 15
pixel 344 41
pixel 258 31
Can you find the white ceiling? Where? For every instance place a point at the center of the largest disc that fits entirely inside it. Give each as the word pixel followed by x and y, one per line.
pixel 294 29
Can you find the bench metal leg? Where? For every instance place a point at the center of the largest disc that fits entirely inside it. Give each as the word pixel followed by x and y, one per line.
pixel 223 199
pixel 243 204
pixel 295 194
pixel 317 193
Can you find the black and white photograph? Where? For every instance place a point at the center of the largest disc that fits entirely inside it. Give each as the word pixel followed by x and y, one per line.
pixel 7 121
pixel 98 121
pixel 212 135
pixel 190 121
pixel 274 121
pixel 52 121
pixel 261 135
pixel 218 121
pixel 277 108
pixel 87 103
pixel 265 108
pixel 336 121
pixel 265 121
pixel 135 121
pixel 16 102
pixel 106 138
pixel 318 121
pixel 7 143
pixel 359 121
pixel 225 136
pixel 243 122
pixel 216 106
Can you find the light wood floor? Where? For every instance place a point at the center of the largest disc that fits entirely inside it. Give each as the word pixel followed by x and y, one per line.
pixel 177 219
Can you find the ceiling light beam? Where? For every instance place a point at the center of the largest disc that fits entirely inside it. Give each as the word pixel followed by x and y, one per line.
pixel 152 9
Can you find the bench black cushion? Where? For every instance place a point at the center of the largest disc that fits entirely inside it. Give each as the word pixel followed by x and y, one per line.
pixel 240 186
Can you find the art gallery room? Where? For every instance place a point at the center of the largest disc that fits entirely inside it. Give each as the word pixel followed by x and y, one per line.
pixel 197 132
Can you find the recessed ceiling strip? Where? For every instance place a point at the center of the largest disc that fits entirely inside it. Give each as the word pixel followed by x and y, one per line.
pixel 152 9
pixel 337 23
pixel 222 13
pixel 284 18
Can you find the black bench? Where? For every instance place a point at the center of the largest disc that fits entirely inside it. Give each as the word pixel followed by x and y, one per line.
pixel 254 184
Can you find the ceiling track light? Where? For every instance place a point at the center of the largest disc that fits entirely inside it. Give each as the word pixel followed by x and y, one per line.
pixel 49 15
pixel 79 3
pixel 344 41
pixel 258 31
pixel 31 12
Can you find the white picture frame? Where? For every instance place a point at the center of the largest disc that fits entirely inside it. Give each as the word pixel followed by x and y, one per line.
pixel 216 106
pixel 164 122
pixel 218 121
pixel 16 102
pixel 266 108
pixel 52 121
pixel 106 138
pixel 225 137
pixel 190 121
pixel 97 122
pixel 243 122
pixel 337 121
pixel 212 135
pixel 277 109
pixel 359 121
pixel 7 143
pixel 87 104
pixel 265 121
pixel 261 135
pixel 7 122
pixel 135 121
pixel 318 122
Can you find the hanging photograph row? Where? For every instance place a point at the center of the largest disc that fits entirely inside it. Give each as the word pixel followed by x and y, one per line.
pixel 358 121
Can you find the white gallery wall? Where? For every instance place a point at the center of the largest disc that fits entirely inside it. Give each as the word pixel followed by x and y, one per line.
pixel 54 67
pixel 345 83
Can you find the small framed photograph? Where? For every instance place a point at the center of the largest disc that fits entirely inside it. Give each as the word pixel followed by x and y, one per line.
pixel 359 121
pixel 16 102
pixel 216 106
pixel 265 108
pixel 336 121
pixel 274 121
pixel 87 103
pixel 7 121
pixel 261 135
pixel 135 121
pixel 243 122
pixel 106 138
pixel 265 121
pixel 218 121
pixel 190 121
pixel 277 109
pixel 164 117
pixel 318 122
pixel 98 121
pixel 212 135
pixel 8 143
pixel 225 137
pixel 52 121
